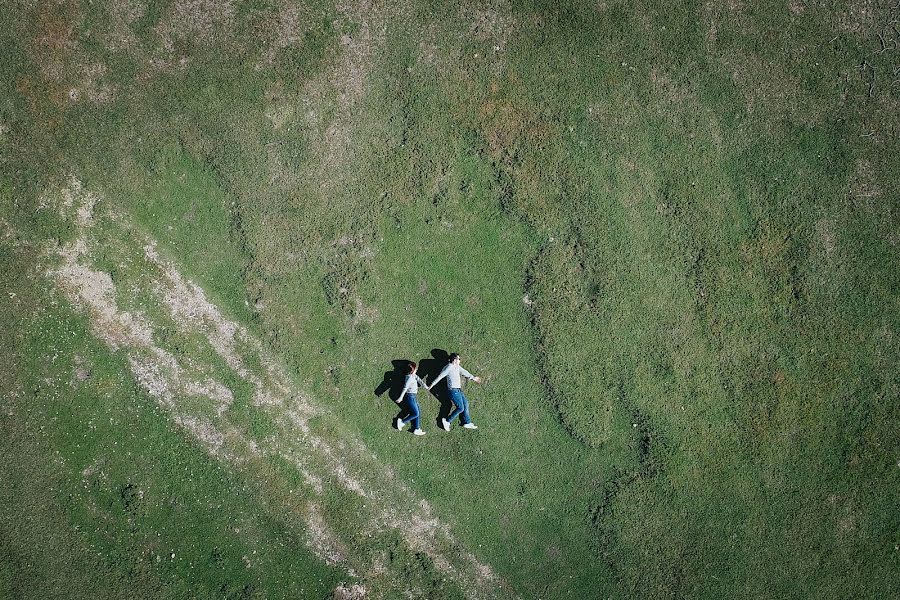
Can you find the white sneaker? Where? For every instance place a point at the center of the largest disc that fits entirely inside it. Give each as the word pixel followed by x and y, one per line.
pixel 419 432
pixel 470 426
pixel 399 424
pixel 445 424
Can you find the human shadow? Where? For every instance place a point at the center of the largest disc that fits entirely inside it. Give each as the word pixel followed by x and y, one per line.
pixel 429 369
pixel 392 384
pixel 394 379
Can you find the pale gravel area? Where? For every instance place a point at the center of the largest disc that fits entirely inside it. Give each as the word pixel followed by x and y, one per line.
pixel 201 21
pixel 199 404
pixel 321 539
pixel 349 592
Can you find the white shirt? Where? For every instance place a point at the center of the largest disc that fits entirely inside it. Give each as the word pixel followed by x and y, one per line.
pixel 412 385
pixel 452 372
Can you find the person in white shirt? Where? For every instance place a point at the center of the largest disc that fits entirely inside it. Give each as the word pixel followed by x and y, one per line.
pixel 410 388
pixel 454 373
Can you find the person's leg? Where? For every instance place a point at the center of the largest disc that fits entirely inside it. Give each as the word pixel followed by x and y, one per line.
pixel 415 418
pixel 413 411
pixel 457 398
pixel 464 417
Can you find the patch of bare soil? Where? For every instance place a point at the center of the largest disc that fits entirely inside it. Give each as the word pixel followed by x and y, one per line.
pixel 858 17
pixel 286 29
pixel 493 25
pixel 123 15
pixel 864 188
pixel 825 233
pixel 321 540
pixel 670 95
pixel 67 71
pixel 716 15
pixel 352 592
pixel 867 196
pixel 348 77
pixel 664 85
pixel 770 91
pixel 355 65
pixel 366 23
pixel 54 43
pixel 196 21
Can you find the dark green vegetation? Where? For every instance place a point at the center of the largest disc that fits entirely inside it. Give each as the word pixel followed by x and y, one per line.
pixel 666 235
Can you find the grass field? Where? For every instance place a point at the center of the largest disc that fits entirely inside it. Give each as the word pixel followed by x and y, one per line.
pixel 665 235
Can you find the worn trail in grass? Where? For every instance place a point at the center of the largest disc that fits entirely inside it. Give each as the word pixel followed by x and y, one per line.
pixel 296 429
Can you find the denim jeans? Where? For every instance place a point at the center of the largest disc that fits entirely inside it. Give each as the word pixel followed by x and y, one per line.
pixel 461 404
pixel 413 407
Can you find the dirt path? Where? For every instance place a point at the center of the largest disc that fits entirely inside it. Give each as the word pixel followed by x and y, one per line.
pixel 148 294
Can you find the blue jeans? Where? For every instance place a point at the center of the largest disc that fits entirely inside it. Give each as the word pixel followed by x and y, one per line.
pixel 461 404
pixel 413 407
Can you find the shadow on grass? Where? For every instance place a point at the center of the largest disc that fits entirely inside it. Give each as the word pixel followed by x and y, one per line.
pixel 393 379
pixel 392 384
pixel 429 368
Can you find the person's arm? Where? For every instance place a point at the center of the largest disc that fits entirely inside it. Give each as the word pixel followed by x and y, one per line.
pixel 407 384
pixel 468 375
pixel 422 382
pixel 439 377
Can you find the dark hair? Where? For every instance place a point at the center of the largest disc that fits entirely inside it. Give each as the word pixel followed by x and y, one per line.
pixel 412 366
pixel 453 356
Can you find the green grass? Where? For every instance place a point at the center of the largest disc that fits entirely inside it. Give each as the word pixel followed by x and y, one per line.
pixel 666 236
pixel 103 497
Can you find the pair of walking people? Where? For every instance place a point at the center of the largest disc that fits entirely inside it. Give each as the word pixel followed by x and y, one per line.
pixel 453 373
